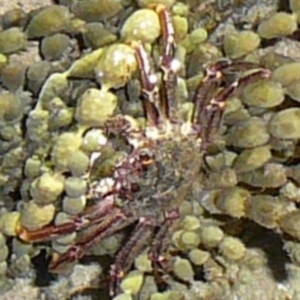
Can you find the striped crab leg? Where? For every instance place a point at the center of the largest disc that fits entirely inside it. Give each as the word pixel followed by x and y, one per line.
pixel 93 215
pixel 209 105
pixel 169 64
pixel 159 102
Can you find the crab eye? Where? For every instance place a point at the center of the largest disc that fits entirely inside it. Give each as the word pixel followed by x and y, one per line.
pixel 146 156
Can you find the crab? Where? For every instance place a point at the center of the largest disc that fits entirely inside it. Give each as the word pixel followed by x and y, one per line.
pixel 150 182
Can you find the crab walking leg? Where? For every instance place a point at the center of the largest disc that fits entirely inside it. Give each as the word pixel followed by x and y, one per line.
pixel 149 81
pixel 93 215
pixel 206 89
pixel 204 92
pixel 213 112
pixel 112 223
pixel 209 84
pixel 229 65
pixel 159 244
pixel 134 246
pixel 168 64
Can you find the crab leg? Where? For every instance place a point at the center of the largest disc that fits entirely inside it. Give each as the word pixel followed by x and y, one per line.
pixel 93 215
pixel 105 190
pixel 125 257
pixel 149 85
pixel 168 64
pixel 213 112
pixel 112 223
pixel 159 243
pixel 210 83
pixel 230 66
pixel 203 93
pixel 157 105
